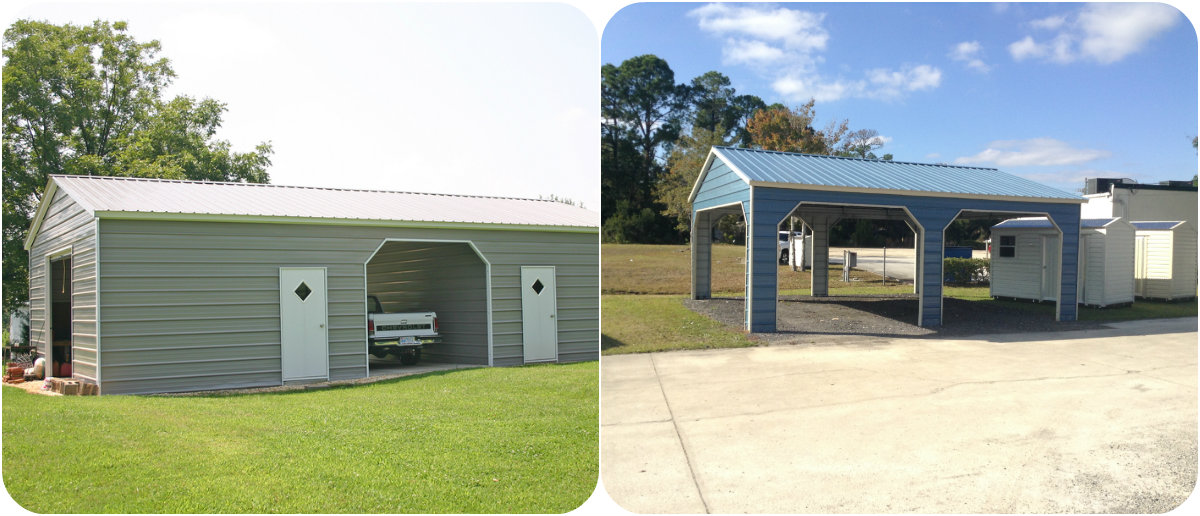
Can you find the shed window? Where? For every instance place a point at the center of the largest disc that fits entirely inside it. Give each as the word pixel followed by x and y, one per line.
pixel 1008 246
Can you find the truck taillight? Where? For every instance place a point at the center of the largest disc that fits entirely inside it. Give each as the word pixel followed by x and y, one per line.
pixel 370 327
pixel 435 325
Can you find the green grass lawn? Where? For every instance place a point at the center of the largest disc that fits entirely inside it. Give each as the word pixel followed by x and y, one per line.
pixel 509 440
pixel 641 324
pixel 667 269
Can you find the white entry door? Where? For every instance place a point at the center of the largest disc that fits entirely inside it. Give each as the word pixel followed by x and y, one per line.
pixel 302 321
pixel 1050 256
pixel 539 325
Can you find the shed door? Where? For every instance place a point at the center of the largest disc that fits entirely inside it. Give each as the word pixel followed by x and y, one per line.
pixel 1082 277
pixel 539 327
pixel 1140 265
pixel 302 320
pixel 1050 251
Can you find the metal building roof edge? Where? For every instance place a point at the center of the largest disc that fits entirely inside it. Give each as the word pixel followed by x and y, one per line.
pixel 52 186
pixel 918 193
pixel 276 219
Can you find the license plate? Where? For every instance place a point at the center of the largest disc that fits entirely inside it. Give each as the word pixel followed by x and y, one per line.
pixel 409 341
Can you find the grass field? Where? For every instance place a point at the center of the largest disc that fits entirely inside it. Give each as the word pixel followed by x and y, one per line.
pixel 513 440
pixel 636 322
pixel 640 324
pixel 667 269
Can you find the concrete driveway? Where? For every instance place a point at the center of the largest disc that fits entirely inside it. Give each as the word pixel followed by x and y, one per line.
pixel 1090 421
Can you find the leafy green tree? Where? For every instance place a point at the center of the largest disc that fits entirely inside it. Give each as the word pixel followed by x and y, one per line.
pixel 780 128
pixel 717 104
pixel 642 109
pixel 87 99
pixel 683 166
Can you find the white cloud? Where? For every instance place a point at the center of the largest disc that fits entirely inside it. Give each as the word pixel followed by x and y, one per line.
pixel 1032 152
pixel 1025 48
pixel 785 45
pixel 740 51
pixel 1113 31
pixel 878 83
pixel 1102 33
pixel 814 87
pixel 797 30
pixel 891 83
pixel 1049 22
pixel 968 52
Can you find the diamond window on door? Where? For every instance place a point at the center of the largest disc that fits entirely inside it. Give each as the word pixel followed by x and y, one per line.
pixel 537 287
pixel 303 291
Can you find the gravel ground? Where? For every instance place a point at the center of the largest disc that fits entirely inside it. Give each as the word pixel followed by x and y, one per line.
pixel 822 319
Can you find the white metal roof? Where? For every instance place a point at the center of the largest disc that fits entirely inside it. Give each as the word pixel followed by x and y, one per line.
pixel 123 197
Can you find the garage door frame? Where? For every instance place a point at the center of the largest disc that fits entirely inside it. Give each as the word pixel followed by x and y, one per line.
pixel 487 275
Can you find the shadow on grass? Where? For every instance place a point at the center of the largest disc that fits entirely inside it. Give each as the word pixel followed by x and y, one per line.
pixel 607 343
pixel 306 389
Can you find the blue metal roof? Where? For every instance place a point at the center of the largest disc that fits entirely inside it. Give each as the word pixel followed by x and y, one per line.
pixel 759 166
pixel 1025 223
pixel 1157 224
pixel 1044 223
pixel 1095 223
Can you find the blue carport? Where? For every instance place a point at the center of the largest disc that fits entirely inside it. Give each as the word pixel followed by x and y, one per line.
pixel 767 187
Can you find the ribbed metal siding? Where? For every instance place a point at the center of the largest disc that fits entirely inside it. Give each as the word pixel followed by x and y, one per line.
pixel 805 169
pixel 194 305
pixel 66 224
pixel 447 278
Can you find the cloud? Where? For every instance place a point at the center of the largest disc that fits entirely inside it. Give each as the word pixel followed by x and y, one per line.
pixel 784 46
pixel 1101 33
pixel 968 52
pixel 797 30
pixel 877 83
pixel 1049 23
pixel 1032 152
pixel 740 51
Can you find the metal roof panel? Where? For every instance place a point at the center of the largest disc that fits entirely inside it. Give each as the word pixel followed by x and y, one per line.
pixel 1153 225
pixel 898 176
pixel 140 195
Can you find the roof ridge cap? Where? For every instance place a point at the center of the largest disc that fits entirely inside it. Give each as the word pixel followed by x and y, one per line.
pixel 298 187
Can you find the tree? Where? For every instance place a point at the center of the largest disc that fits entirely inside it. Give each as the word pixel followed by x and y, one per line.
pixel 861 144
pixel 642 110
pixel 88 100
pixel 717 104
pixel 780 128
pixel 683 167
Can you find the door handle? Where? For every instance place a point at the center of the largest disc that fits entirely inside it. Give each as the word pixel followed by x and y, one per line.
pixel 322 325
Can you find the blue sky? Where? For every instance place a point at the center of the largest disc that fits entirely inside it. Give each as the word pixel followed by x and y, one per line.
pixel 1052 92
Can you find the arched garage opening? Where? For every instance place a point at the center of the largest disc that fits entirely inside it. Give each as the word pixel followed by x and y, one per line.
pixel 446 277
pixel 770 185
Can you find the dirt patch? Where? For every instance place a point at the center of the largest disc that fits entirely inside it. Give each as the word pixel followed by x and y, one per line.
pixel 823 319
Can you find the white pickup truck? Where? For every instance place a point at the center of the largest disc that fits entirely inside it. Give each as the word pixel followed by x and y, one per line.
pixel 399 334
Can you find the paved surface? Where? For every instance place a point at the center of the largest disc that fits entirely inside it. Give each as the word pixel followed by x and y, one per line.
pixel 1093 421
pixel 899 263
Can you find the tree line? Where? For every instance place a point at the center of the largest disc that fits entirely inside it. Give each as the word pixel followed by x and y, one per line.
pixel 656 134
pixel 88 99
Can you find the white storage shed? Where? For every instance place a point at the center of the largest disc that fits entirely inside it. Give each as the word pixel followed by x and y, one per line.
pixel 1165 260
pixel 1023 260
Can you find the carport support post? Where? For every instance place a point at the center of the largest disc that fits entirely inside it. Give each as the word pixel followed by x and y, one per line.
pixel 820 261
pixel 1067 220
pixel 929 256
pixel 701 255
